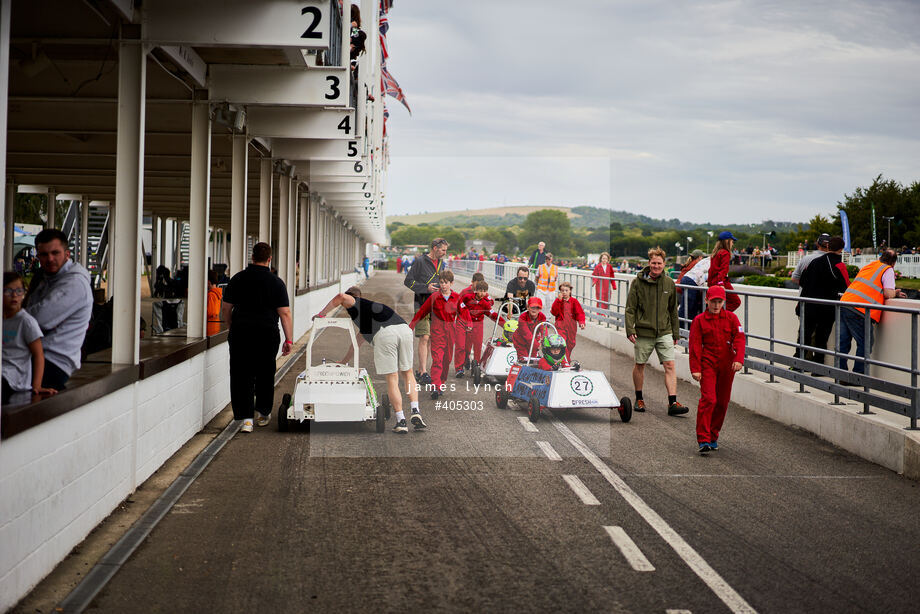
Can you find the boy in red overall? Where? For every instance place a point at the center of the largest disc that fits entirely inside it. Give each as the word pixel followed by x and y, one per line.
pixel 445 307
pixel 527 324
pixel 716 354
pixel 475 305
pixel 569 316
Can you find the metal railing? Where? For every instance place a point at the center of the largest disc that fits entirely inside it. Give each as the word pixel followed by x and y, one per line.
pixel 767 353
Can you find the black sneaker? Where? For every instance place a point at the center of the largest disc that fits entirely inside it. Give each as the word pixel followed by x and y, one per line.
pixel 401 427
pixel 676 409
pixel 417 421
pixel 435 394
pixel 424 378
pixel 459 373
pixel 705 449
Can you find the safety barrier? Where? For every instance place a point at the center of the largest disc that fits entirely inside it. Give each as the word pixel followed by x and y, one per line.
pixel 890 385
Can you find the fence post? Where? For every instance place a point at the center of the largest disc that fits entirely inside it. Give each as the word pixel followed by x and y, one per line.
pixel 772 379
pixel 915 402
pixel 747 311
pixel 802 306
pixel 867 349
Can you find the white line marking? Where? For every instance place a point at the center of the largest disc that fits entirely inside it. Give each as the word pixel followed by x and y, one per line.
pixel 529 426
pixel 586 496
pixel 551 454
pixel 678 612
pixel 691 557
pixel 629 549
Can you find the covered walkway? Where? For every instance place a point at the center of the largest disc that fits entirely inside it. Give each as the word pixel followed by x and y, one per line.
pixel 178 134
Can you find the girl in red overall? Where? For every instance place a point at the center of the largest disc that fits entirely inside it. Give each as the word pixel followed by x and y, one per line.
pixel 527 324
pixel 718 268
pixel 445 307
pixel 475 305
pixel 569 316
pixel 716 353
pixel 603 282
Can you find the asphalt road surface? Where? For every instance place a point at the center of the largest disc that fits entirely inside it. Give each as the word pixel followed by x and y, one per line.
pixel 484 512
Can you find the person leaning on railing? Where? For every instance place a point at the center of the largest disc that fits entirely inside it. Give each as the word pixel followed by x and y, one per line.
pixel 873 285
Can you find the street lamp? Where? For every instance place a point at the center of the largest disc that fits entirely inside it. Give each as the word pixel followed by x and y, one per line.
pixel 689 241
pixel 889 218
pixel 678 246
pixel 708 236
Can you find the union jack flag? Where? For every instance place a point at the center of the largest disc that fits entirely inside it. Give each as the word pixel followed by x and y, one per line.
pixel 391 87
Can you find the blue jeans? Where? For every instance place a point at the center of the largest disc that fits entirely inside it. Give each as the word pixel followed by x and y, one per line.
pixel 853 327
pixel 693 299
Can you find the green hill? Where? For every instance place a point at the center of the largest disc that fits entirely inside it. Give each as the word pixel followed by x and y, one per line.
pixel 580 217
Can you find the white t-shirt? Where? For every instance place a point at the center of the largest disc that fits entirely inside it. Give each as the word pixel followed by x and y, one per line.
pixel 18 332
pixel 888 279
pixel 700 271
pixel 803 263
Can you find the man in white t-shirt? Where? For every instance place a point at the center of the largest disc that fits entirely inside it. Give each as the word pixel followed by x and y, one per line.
pixel 822 242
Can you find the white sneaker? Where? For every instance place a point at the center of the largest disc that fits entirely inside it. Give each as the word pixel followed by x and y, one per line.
pixel 247 426
pixel 263 420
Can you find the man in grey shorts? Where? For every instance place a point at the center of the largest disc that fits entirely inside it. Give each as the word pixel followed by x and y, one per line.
pixel 652 325
pixel 392 340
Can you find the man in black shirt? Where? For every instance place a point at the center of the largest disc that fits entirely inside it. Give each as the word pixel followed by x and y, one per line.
pixel 254 300
pixel 521 288
pixel 423 281
pixel 391 338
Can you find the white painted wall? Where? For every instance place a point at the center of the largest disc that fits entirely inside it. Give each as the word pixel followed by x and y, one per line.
pixel 68 474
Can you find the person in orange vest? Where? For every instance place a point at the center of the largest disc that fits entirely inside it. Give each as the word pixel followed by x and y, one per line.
pixel 215 296
pixel 873 284
pixel 547 273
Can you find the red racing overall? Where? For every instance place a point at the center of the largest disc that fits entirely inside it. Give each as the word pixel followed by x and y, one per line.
pixel 569 314
pixel 446 317
pixel 716 341
pixel 718 276
pixel 475 311
pixel 523 336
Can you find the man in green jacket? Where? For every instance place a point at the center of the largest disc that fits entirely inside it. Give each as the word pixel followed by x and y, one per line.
pixel 652 324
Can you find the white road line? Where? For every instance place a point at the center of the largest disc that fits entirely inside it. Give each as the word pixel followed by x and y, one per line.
pixel 629 549
pixel 678 612
pixel 529 426
pixel 691 557
pixel 586 496
pixel 551 454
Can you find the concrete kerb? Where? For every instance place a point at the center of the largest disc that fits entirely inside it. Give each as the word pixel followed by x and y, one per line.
pixel 880 438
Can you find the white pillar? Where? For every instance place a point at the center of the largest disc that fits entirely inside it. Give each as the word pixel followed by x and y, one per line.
pixel 265 200
pixel 51 220
pixel 8 196
pixel 124 265
pixel 302 254
pixel 239 176
pixel 284 208
pixel 311 245
pixel 290 279
pixel 199 205
pixel 8 222
pixel 84 230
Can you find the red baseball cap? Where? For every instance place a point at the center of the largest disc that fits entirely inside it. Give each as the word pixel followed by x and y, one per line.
pixel 715 292
pixel 534 300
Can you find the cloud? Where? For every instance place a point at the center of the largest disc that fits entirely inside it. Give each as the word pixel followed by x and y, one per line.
pixel 696 106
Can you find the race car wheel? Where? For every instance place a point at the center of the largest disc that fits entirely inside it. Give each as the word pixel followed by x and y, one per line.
pixel 382 411
pixel 282 413
pixel 477 373
pixel 501 398
pixel 625 409
pixel 533 409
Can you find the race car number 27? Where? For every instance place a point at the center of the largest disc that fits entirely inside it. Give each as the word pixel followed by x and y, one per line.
pixel 581 385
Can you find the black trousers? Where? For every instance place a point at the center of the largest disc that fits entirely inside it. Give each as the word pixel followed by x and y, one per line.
pixel 819 320
pixel 252 372
pixel 54 376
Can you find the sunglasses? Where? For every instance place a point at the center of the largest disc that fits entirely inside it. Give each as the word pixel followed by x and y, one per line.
pixel 523 278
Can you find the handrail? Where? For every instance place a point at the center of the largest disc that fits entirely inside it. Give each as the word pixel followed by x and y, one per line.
pixel 846 384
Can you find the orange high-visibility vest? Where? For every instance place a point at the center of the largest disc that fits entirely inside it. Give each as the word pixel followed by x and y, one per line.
pixel 867 288
pixel 546 278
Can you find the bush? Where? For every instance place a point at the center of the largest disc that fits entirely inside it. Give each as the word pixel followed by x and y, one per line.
pixel 853 270
pixel 764 280
pixel 742 270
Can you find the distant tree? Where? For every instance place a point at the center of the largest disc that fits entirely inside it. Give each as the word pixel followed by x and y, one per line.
pixel 550 226
pixel 889 198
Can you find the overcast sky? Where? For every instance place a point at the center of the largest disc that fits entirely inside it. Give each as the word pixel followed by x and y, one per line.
pixel 734 111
